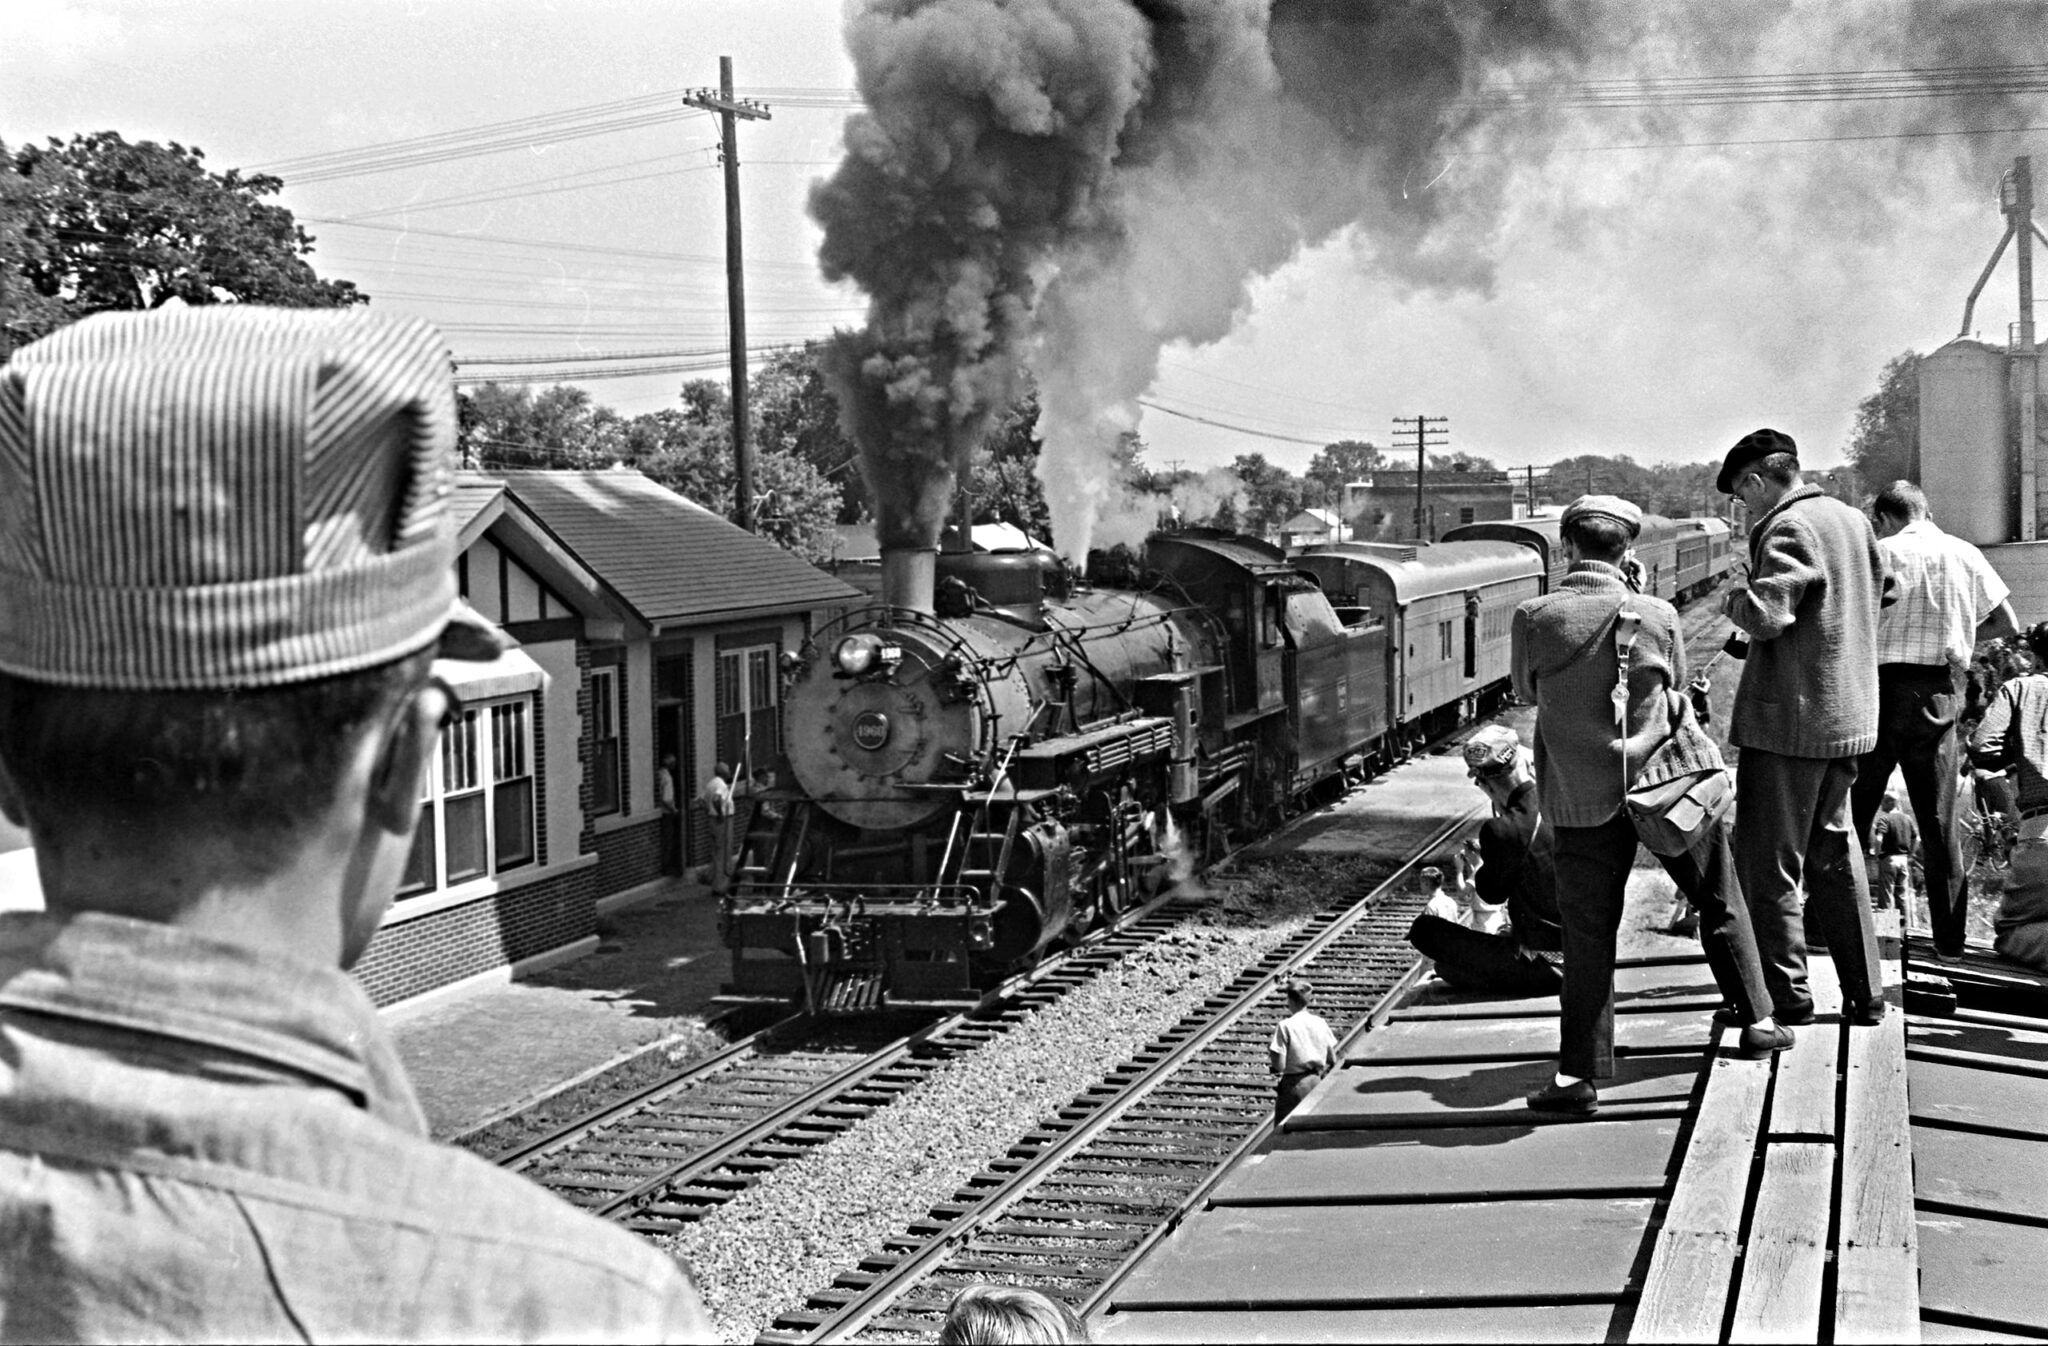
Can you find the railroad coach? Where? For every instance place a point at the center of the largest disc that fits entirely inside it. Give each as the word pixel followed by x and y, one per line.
pixel 1449 611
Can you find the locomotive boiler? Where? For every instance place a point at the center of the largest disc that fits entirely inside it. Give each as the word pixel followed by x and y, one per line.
pixel 984 762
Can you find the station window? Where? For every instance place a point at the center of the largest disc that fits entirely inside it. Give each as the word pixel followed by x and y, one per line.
pixel 476 799
pixel 605 758
pixel 1465 513
pixel 749 718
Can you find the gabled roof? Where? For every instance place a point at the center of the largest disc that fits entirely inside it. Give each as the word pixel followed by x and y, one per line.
pixel 669 560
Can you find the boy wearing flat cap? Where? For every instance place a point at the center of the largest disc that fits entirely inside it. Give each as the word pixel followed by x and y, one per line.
pixel 226 573
pixel 1806 709
pixel 1567 662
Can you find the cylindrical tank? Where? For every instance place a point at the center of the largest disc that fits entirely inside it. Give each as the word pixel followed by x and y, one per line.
pixel 1964 464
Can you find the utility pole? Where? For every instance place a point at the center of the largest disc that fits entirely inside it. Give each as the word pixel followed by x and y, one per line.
pixel 2026 370
pixel 729 110
pixel 1427 436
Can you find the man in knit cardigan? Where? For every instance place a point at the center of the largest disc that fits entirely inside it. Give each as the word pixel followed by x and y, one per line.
pixel 1806 709
pixel 1567 663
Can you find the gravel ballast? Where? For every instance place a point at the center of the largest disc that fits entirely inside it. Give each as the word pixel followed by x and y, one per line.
pixel 804 1223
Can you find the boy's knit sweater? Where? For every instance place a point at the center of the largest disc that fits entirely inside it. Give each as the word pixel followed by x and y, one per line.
pixel 1565 664
pixel 1816 580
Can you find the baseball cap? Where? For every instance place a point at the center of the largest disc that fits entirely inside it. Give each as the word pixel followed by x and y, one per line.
pixel 228 496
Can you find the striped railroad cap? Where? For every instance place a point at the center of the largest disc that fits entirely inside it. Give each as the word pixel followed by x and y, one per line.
pixel 227 496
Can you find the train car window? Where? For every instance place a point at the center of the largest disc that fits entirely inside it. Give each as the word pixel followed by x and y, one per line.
pixel 1443 632
pixel 1269 618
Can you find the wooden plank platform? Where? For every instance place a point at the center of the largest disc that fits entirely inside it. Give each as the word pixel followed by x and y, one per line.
pixel 1414 1196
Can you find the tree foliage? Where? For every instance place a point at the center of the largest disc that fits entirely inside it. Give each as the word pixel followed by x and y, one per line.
pixel 98 223
pixel 1676 490
pixel 1884 446
pixel 1347 460
pixel 687 448
pixel 1272 494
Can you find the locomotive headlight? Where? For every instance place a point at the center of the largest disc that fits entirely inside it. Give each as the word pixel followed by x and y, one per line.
pixel 856 655
pixel 859 655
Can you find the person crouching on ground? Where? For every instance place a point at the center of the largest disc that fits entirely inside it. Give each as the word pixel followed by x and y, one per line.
pixel 1566 663
pixel 1515 871
pixel 226 576
pixel 2013 738
pixel 1302 1051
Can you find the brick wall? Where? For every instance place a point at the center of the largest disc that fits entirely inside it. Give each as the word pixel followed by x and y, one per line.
pixel 628 857
pixel 420 955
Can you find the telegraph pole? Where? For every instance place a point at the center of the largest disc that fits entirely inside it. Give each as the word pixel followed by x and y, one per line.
pixel 729 110
pixel 1427 436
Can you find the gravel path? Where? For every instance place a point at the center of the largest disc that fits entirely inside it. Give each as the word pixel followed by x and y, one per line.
pixel 804 1223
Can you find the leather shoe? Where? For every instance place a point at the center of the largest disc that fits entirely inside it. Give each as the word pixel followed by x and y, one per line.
pixel 1580 1099
pixel 1761 1042
pixel 1801 1013
pixel 1869 1015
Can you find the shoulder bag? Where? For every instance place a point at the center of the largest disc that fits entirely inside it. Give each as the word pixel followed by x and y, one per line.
pixel 1672 815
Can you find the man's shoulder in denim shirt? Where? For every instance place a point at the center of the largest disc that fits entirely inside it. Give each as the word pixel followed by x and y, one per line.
pixel 197 1142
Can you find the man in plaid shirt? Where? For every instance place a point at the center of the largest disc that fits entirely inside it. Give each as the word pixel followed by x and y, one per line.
pixel 1949 599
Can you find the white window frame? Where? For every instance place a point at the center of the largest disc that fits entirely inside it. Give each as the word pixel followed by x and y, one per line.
pixel 488 749
pixel 742 685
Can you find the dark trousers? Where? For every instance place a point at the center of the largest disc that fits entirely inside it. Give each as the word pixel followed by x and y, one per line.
pixel 1472 961
pixel 1917 705
pixel 1288 1094
pixel 1792 826
pixel 1592 882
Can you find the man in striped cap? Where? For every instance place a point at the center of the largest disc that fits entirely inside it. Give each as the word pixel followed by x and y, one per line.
pixel 226 571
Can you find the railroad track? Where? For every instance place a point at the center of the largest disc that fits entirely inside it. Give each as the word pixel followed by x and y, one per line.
pixel 1083 1195
pixel 680 1147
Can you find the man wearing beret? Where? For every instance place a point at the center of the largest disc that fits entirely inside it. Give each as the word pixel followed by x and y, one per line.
pixel 1807 708
pixel 1515 871
pixel 226 576
pixel 1567 662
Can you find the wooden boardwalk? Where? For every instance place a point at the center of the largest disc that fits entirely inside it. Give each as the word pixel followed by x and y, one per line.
pixel 1414 1197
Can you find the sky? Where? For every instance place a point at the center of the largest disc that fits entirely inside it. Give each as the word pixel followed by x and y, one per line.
pixel 1652 283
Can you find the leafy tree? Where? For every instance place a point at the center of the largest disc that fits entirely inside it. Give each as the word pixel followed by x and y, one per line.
pixel 1335 464
pixel 1450 462
pixel 100 224
pixel 1272 493
pixel 512 427
pixel 793 409
pixel 1884 446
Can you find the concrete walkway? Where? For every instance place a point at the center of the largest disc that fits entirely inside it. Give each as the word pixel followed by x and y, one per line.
pixel 498 1049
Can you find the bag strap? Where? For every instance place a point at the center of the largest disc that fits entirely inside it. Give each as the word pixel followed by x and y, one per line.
pixel 1627 621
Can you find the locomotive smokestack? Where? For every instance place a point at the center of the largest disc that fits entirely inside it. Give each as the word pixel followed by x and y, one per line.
pixel 908 577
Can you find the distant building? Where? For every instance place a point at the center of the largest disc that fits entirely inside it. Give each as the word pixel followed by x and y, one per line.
pixel 1383 508
pixel 1314 528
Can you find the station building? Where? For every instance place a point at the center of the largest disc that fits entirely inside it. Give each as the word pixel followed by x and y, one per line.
pixel 1382 508
pixel 646 626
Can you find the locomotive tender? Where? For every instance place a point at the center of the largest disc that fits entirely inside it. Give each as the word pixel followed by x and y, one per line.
pixel 995 758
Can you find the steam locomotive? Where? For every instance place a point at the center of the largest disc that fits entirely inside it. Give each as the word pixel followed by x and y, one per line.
pixel 996 757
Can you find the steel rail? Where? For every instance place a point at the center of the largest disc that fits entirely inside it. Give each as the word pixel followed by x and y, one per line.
pixel 522 1156
pixel 888 1286
pixel 1098 1300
